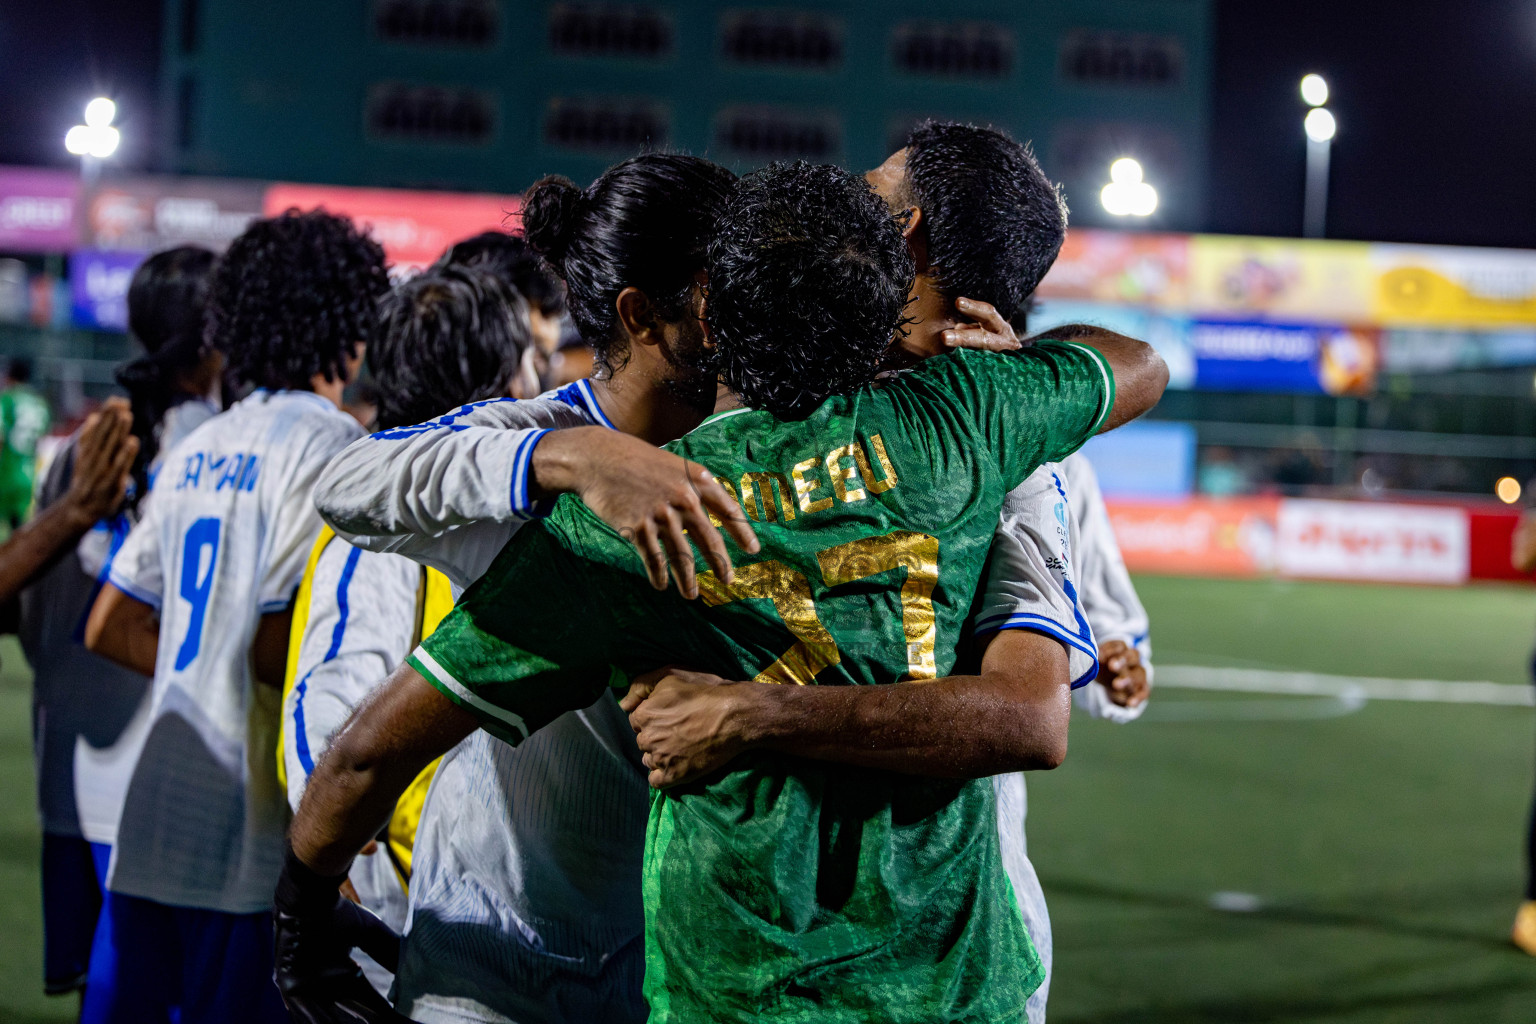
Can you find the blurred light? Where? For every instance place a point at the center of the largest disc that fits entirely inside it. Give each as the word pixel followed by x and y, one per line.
pixel 1125 171
pixel 1320 125
pixel 1314 90
pixel 1127 195
pixel 83 140
pixel 100 112
pixel 78 140
pixel 1508 489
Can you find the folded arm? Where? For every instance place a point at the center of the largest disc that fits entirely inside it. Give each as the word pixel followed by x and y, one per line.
pixel 1012 716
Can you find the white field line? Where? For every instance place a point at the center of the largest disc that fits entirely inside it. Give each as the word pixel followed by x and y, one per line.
pixel 1250 680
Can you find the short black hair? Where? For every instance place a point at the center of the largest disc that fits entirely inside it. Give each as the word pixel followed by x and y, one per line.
pixel 166 302
pixel 20 370
pixel 447 337
pixel 994 221
pixel 293 297
pixel 808 277
pixel 516 262
pixel 643 224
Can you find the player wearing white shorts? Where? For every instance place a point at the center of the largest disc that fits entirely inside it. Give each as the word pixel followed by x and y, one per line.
pixel 199 596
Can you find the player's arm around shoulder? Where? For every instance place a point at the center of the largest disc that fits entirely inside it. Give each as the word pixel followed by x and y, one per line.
pixel 1140 374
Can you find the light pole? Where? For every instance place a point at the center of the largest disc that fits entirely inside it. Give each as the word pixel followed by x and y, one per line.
pixel 1320 127
pixel 95 140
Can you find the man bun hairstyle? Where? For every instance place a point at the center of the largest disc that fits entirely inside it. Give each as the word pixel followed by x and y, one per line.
pixel 808 279
pixel 447 337
pixel 994 221
pixel 293 297
pixel 643 224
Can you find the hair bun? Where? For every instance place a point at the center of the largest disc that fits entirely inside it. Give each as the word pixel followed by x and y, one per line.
pixel 549 215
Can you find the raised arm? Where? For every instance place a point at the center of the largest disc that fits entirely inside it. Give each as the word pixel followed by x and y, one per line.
pixel 1013 716
pixel 1141 376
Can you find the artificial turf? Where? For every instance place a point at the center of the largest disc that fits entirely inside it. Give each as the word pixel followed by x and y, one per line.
pixel 1382 846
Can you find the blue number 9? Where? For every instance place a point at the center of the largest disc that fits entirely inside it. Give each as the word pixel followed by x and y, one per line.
pixel 196 583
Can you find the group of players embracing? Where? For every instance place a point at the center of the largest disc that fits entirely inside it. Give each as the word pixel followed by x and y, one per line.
pixel 537 690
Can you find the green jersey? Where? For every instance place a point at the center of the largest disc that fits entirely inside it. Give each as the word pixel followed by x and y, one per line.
pixel 786 889
pixel 24 419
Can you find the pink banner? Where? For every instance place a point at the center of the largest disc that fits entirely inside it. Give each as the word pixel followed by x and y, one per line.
pixel 38 209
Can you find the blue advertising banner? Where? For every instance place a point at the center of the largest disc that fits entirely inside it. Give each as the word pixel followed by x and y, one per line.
pixel 1284 358
pixel 98 287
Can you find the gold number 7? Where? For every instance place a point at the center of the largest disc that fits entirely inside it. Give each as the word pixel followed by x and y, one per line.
pixel 790 593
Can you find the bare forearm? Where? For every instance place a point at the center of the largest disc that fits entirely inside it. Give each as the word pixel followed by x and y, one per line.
pixel 31 550
pixel 1140 373
pixel 124 630
pixel 386 743
pixel 959 727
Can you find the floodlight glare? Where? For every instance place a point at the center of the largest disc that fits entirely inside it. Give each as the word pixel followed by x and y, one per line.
pixel 1320 124
pixel 1127 195
pixel 100 112
pixel 1125 171
pixel 78 140
pixel 1508 490
pixel 104 142
pixel 1314 90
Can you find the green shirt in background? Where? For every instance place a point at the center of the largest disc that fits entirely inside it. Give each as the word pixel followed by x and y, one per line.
pixel 786 889
pixel 24 419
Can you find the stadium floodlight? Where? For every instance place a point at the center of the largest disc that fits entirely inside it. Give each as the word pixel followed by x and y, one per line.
pixel 1320 124
pixel 1314 90
pixel 1127 195
pixel 96 139
pixel 100 112
pixel 1508 490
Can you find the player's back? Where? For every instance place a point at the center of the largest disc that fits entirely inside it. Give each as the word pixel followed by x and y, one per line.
pixel 783 888
pixel 225 535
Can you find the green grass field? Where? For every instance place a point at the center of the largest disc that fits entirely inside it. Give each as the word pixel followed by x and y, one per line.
pixel 1383 845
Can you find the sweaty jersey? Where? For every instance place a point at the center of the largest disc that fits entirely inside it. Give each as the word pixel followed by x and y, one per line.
pixel 227 529
pixel 787 889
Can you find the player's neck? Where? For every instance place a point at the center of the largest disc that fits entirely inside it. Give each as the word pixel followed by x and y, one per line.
pixel 330 390
pixel 932 314
pixel 650 409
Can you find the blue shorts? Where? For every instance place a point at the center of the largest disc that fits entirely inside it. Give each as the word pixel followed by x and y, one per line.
pixel 159 964
pixel 73 872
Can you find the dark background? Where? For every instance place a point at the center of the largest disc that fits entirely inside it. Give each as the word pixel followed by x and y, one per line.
pixel 1436 104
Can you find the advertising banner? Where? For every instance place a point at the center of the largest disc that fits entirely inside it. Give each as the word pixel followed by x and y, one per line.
pixel 1282 357
pixel 1198 536
pixel 1432 285
pixel 149 214
pixel 98 287
pixel 1122 267
pixel 38 209
pixel 1294 280
pixel 1353 540
pixel 413 227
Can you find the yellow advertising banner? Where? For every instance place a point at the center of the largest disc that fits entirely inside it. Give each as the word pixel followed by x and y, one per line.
pixel 1292 280
pixel 1442 286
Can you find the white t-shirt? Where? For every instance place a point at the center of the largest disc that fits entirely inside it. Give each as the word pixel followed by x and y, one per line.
pixel 225 537
pixel 90 715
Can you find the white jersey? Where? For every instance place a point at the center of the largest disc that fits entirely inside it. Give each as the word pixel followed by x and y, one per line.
pixel 89 715
pixel 362 619
pixel 225 537
pixel 525 897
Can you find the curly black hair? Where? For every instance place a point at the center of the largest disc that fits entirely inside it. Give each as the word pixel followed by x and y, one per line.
pixel 643 224
pixel 293 297
pixel 516 262
pixel 166 302
pixel 994 221
pixel 448 337
pixel 808 277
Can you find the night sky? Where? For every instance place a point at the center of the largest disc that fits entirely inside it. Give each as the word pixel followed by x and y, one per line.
pixel 1436 104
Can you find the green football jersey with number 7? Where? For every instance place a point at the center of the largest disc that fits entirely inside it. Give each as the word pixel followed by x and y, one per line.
pixel 785 889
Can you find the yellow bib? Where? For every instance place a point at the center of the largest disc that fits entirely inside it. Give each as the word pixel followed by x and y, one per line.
pixel 434 600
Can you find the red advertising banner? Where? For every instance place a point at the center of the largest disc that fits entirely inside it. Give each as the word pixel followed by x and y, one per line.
pixel 1361 540
pixel 1197 536
pixel 413 227
pixel 1120 267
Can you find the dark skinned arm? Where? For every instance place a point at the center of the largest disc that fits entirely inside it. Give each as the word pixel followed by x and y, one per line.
pixel 1013 716
pixel 269 650
pixel 123 629
pixel 390 738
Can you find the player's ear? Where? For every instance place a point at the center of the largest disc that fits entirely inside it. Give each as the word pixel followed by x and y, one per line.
pixel 915 230
pixel 637 315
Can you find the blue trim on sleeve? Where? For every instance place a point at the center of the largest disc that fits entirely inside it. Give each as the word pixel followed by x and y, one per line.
pixel 134 591
pixel 522 460
pixel 1056 631
pixel 300 737
pixel 447 422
